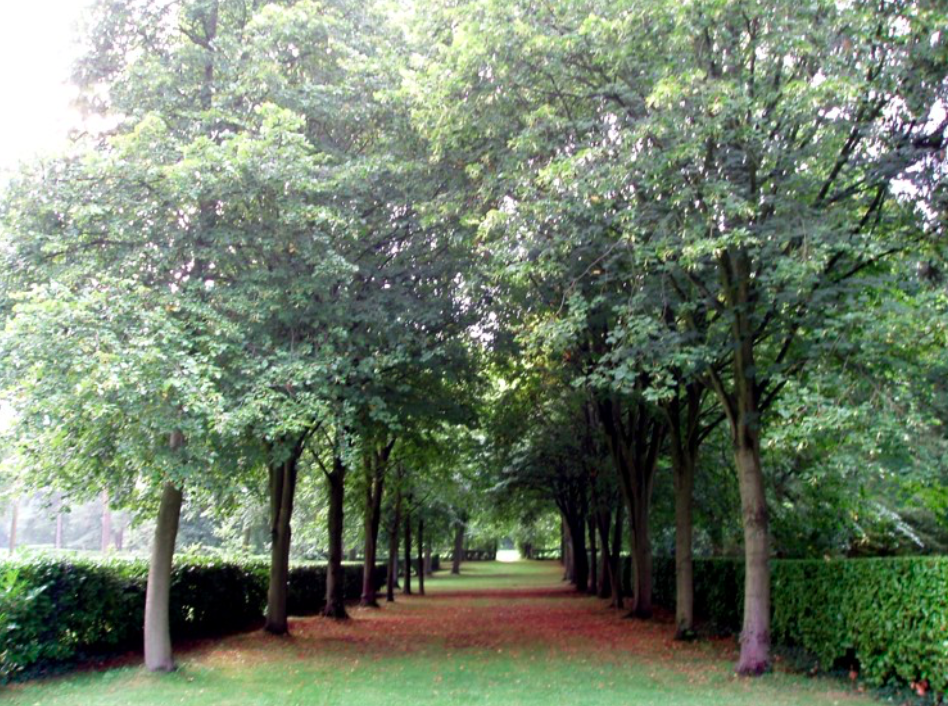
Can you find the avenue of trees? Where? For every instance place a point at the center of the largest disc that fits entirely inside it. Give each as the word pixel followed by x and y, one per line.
pixel 621 276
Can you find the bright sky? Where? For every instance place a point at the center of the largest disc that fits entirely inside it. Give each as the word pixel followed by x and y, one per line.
pixel 37 47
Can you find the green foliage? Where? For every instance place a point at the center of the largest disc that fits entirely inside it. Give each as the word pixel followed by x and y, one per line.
pixel 57 610
pixel 889 614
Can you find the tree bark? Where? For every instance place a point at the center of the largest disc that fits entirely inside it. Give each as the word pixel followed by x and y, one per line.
pixel 684 433
pixel 158 655
pixel 375 486
pixel 618 601
pixel 641 558
pixel 684 476
pixel 335 581
pixel 743 410
pixel 577 532
pixel 106 537
pixel 755 636
pixel 635 439
pixel 593 556
pixel 421 557
pixel 458 547
pixel 406 589
pixel 59 530
pixel 393 548
pixel 562 543
pixel 282 492
pixel 13 523
pixel 603 520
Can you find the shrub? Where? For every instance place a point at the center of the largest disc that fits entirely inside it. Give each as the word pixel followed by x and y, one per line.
pixel 55 610
pixel 891 615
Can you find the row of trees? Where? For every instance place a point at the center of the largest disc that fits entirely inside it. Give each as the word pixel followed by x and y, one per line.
pixel 332 236
pixel 251 271
pixel 692 207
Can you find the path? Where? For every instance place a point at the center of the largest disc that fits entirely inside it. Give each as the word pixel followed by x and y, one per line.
pixel 506 634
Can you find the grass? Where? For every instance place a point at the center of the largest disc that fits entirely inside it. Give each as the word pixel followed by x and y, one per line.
pixel 508 634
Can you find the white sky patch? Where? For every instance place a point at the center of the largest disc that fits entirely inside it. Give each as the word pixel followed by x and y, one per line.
pixel 37 47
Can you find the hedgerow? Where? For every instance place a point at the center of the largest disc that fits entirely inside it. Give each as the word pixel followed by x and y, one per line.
pixel 55 610
pixel 890 615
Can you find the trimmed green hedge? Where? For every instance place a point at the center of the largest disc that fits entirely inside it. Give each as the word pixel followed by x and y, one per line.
pixel 56 610
pixel 891 615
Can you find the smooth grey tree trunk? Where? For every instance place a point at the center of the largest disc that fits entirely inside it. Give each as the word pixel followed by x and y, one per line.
pixel 641 559
pixel 421 557
pixel 684 558
pixel 373 519
pixel 406 588
pixel 580 572
pixel 158 655
pixel 593 556
pixel 603 520
pixel 458 547
pixel 376 466
pixel 393 548
pixel 106 538
pixel 282 492
pixel 335 581
pixel 743 410
pixel 58 540
pixel 755 635
pixel 618 601
pixel 13 523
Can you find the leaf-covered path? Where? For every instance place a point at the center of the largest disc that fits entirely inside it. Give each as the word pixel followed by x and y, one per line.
pixel 499 634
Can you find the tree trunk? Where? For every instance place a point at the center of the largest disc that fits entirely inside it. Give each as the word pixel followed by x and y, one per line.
pixel 373 519
pixel 335 581
pixel 742 407
pixel 406 589
pixel 684 561
pixel 593 556
pixel 564 550
pixel 603 520
pixel 641 558
pixel 755 636
pixel 563 546
pixel 59 530
pixel 106 537
pixel 158 656
pixel 58 541
pixel 577 527
pixel 13 523
pixel 429 570
pixel 685 438
pixel 635 439
pixel 393 548
pixel 458 547
pixel 282 493
pixel 421 557
pixel 618 601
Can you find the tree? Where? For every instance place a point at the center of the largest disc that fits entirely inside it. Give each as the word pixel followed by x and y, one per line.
pixel 750 156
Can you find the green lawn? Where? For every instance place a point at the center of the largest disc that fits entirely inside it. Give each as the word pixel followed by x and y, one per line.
pixel 466 643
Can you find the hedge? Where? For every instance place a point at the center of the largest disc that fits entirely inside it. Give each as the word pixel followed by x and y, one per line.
pixel 54 610
pixel 889 615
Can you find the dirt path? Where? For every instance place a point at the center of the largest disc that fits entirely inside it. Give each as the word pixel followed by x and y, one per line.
pixel 498 634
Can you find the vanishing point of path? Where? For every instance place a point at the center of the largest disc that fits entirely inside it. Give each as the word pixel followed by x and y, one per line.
pixel 505 634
